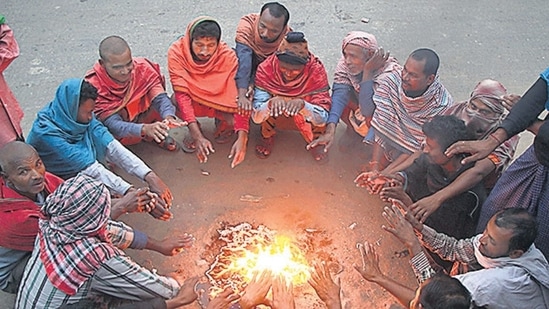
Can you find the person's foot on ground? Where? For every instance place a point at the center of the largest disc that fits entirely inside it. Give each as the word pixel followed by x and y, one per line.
pixel 264 147
pixel 168 144
pixel 188 145
pixel 223 132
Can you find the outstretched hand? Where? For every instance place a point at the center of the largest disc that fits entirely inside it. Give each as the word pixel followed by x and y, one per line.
pixel 478 149
pixel 326 289
pixel 159 187
pixel 223 300
pixel 399 226
pixel 173 245
pixel 283 293
pixel 256 292
pixel 369 268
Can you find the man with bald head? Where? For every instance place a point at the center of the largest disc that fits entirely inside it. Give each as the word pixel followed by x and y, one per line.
pixel 24 186
pixel 132 99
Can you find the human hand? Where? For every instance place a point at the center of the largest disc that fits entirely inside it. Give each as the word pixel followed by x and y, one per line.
pixel 423 208
pixel 160 211
pixel 399 226
pixel 159 187
pixel 223 300
pixel 244 102
pixel 283 293
pixel 173 245
pixel 395 191
pixel 326 289
pixel 277 106
pixel 186 293
pixel 140 200
pixel 376 62
pixel 370 262
pixel 203 149
pixel 256 291
pixel 173 122
pixel 325 139
pixel 238 150
pixel 156 131
pixel 509 100
pixel 293 107
pixel 478 149
pixel 374 181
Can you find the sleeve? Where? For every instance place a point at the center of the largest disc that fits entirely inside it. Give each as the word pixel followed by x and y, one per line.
pixel 120 234
pixel 115 184
pixel 527 109
pixel 244 72
pixel 448 248
pixel 421 267
pixel 261 105
pixel 120 128
pixel 123 278
pixel 185 105
pixel 127 160
pixel 340 98
pixel 163 105
pixel 241 122
pixel 365 100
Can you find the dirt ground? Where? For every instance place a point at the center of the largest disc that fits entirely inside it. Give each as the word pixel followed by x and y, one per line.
pixel 504 40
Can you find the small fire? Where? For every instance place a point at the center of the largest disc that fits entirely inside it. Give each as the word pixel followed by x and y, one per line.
pixel 250 250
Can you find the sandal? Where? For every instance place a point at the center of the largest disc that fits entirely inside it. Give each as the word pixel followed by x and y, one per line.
pixel 264 148
pixel 168 143
pixel 319 155
pixel 223 132
pixel 188 145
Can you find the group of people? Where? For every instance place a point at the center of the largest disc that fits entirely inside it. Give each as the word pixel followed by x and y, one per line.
pixel 458 204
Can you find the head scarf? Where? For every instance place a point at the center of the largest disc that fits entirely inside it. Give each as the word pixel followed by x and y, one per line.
pixel 72 237
pixel 66 146
pixel 132 95
pixel 212 83
pixel 294 49
pixel 247 34
pixel 367 41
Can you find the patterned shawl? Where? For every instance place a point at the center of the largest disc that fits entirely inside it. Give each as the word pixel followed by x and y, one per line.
pixel 72 237
pixel 247 34
pixel 399 118
pixel 212 83
pixel 367 41
pixel 131 95
pixel 65 146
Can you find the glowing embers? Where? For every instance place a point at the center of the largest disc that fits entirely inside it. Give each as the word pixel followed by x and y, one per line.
pixel 247 250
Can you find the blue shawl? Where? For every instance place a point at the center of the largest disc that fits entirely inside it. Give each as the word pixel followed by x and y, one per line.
pixel 65 146
pixel 545 76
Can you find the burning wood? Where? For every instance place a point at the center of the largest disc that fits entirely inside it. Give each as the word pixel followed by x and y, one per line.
pixel 247 250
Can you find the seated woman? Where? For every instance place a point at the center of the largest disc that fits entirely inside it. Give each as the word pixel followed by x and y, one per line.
pixel 70 140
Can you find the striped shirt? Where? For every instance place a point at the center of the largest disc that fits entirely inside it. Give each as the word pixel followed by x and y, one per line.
pixel 118 277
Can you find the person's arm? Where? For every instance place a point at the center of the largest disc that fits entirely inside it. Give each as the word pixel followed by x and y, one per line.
pixel 126 160
pixel 448 248
pixel 341 94
pixel 365 100
pixel 120 128
pixel 401 165
pixel 100 173
pixel 163 105
pixel 244 72
pixel 121 277
pixel 184 102
pixel 261 110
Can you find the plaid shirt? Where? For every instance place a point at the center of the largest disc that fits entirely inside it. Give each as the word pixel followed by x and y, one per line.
pixel 118 277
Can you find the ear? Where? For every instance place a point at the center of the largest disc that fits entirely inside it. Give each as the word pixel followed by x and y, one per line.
pixel 431 79
pixel 101 62
pixel 515 254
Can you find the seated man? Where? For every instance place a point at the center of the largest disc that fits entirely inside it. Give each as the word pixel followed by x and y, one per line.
pixel 202 72
pixel 132 100
pixel 404 102
pixel 70 140
pixel 76 257
pixel 24 187
pixel 515 273
pixel 291 84
pixel 357 73
pixel 433 171
pixel 482 113
pixel 10 111
pixel 257 37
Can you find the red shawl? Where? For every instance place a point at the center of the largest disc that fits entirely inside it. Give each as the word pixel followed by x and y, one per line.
pixel 247 34
pixel 313 80
pixel 19 215
pixel 212 83
pixel 133 95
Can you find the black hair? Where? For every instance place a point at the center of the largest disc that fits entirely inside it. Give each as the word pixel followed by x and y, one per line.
pixel 431 60
pixel 87 91
pixel 444 292
pixel 446 130
pixel 541 144
pixel 277 10
pixel 522 223
pixel 206 29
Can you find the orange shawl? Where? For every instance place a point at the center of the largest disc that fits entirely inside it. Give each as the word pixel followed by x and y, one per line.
pixel 212 83
pixel 133 95
pixel 247 34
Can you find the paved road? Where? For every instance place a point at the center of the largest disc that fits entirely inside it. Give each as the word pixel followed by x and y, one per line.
pixel 505 40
